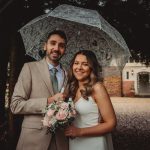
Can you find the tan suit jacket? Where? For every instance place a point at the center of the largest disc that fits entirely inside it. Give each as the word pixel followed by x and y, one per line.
pixel 30 98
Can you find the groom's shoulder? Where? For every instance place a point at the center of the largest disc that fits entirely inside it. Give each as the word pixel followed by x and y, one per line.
pixel 32 63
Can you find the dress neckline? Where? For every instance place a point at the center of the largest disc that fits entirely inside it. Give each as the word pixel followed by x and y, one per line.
pixel 81 98
pixel 78 100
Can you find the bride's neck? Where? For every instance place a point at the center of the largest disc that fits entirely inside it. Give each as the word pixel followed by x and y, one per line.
pixel 81 84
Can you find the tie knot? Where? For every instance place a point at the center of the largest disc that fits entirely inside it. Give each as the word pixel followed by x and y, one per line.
pixel 53 70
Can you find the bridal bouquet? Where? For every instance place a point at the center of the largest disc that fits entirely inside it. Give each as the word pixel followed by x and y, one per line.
pixel 59 114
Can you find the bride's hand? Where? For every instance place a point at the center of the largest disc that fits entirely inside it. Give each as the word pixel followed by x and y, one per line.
pixel 73 131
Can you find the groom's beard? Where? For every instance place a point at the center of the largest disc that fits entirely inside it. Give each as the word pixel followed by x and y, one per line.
pixel 54 56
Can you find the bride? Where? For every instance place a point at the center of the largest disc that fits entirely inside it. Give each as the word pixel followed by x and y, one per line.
pixel 95 114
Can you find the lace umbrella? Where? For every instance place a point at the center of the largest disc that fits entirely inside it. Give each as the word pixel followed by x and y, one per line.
pixel 85 29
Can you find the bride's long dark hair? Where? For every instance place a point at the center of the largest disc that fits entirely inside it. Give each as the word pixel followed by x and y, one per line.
pixel 94 77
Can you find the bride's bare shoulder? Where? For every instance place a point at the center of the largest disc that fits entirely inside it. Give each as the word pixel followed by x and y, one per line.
pixel 98 86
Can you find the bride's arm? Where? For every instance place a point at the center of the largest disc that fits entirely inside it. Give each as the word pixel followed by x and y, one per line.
pixel 107 113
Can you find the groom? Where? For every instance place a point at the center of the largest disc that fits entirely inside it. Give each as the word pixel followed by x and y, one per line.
pixel 34 90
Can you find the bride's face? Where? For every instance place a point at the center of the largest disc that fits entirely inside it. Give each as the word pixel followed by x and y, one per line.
pixel 81 69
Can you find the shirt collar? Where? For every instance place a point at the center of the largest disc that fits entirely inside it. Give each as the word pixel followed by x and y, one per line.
pixel 50 66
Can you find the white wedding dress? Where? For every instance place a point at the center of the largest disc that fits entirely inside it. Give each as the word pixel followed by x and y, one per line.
pixel 88 115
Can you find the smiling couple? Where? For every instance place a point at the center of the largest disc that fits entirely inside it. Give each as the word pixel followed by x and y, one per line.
pixel 37 87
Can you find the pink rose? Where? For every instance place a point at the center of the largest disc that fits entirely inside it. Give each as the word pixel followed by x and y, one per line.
pixel 61 115
pixel 64 105
pixel 50 112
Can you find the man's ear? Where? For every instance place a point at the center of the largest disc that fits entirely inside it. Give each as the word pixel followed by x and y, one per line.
pixel 42 52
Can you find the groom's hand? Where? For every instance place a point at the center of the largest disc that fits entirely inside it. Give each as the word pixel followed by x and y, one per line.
pixel 56 97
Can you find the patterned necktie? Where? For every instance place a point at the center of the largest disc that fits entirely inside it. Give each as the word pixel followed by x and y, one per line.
pixel 54 80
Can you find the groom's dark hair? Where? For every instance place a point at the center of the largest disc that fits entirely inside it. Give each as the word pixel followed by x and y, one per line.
pixel 58 32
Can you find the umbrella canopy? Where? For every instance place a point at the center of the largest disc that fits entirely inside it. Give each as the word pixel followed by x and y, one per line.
pixel 85 29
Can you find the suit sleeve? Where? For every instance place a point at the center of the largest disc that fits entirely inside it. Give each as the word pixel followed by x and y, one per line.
pixel 21 103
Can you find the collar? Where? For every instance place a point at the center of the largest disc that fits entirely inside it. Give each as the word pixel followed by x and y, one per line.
pixel 50 66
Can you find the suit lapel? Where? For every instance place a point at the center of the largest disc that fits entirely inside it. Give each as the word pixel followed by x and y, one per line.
pixel 43 69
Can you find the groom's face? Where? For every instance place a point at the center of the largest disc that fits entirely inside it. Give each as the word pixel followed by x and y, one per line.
pixel 55 48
